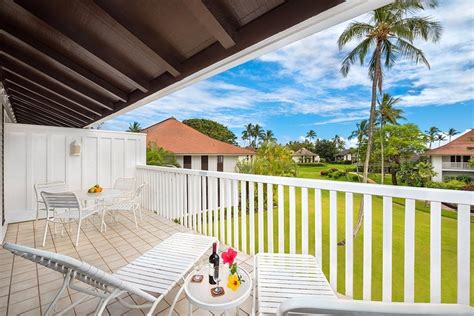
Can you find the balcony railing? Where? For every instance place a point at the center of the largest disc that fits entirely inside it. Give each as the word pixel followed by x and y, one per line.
pixel 457 165
pixel 263 213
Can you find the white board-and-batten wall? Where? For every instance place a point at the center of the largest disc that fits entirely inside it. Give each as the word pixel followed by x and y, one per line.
pixel 39 154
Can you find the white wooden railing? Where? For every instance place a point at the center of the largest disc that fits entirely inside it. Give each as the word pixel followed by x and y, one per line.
pixel 218 204
pixel 457 165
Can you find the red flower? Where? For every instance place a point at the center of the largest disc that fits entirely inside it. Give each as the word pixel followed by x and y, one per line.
pixel 229 256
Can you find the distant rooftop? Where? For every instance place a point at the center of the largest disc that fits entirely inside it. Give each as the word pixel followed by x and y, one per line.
pixel 304 152
pixel 463 145
pixel 180 138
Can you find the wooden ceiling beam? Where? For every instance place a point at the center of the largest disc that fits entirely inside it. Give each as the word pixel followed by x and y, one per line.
pixel 39 94
pixel 68 65
pixel 25 95
pixel 26 120
pixel 21 112
pixel 45 110
pixel 18 57
pixel 93 46
pixel 35 111
pixel 38 81
pixel 209 21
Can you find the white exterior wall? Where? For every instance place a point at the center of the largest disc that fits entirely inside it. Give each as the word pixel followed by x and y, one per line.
pixel 437 163
pixel 38 154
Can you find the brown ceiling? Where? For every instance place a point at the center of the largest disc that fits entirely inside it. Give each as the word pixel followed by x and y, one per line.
pixel 71 63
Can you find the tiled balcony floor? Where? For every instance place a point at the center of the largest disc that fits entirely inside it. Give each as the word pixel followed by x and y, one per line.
pixel 27 288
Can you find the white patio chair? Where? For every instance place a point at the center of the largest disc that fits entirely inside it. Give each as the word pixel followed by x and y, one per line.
pixel 126 184
pixel 130 204
pixel 279 277
pixel 328 306
pixel 157 271
pixel 64 208
pixel 56 186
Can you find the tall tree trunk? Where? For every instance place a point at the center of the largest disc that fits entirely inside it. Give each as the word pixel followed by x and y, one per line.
pixel 394 176
pixel 382 166
pixel 376 83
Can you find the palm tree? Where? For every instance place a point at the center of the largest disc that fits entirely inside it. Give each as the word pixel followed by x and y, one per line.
pixel 258 133
pixel 431 134
pixel 440 137
pixel 387 114
pixel 451 132
pixel 359 133
pixel 390 33
pixel 269 136
pixel 311 134
pixel 247 133
pixel 134 127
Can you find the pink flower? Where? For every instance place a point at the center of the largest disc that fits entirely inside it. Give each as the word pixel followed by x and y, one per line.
pixel 229 256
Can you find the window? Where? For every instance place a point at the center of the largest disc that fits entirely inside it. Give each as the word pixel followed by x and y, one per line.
pixel 204 162
pixel 220 163
pixel 187 162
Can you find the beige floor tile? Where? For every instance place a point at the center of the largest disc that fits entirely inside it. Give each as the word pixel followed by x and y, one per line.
pixel 23 306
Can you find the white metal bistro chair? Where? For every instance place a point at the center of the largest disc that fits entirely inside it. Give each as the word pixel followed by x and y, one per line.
pixel 279 277
pixel 328 306
pixel 130 204
pixel 64 208
pixel 151 276
pixel 126 184
pixel 56 186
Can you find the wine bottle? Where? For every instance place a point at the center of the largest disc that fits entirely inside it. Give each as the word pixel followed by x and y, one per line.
pixel 213 264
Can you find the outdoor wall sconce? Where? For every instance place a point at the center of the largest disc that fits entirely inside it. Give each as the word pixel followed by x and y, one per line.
pixel 75 148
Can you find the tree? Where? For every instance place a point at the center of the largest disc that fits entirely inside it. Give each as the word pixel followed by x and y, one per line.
pixel 326 149
pixel 416 174
pixel 387 114
pixel 451 132
pixel 339 142
pixel 311 135
pixel 440 137
pixel 270 159
pixel 402 143
pixel 247 133
pixel 212 129
pixel 158 156
pixel 431 133
pixel 390 33
pixel 359 133
pixel 269 136
pixel 134 127
pixel 258 134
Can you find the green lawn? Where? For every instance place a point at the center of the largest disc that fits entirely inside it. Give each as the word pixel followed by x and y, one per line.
pixel 422 251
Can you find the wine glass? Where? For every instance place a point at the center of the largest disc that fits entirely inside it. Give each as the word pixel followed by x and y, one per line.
pixel 216 277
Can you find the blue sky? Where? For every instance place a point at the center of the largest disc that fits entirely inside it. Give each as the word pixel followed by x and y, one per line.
pixel 299 87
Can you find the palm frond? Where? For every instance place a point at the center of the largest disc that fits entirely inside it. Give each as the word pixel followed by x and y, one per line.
pixel 359 52
pixel 420 27
pixel 355 30
pixel 410 51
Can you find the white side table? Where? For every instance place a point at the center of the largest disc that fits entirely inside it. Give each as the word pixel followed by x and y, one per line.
pixel 199 294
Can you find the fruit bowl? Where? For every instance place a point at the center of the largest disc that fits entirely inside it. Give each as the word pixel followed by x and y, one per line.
pixel 95 189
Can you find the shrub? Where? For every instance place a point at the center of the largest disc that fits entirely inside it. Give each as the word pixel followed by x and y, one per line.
pixel 337 174
pixel 323 172
pixel 311 164
pixel 449 185
pixel 469 186
pixel 158 156
pixel 465 179
pixel 351 169
pixel 333 169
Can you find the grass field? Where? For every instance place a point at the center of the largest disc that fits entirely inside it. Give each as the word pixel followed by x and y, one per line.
pixel 422 243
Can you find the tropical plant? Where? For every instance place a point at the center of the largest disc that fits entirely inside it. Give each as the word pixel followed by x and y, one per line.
pixel 389 34
pixel 258 134
pixel 359 133
pixel 417 174
pixel 386 114
pixel 134 127
pixel 158 156
pixel 212 129
pixel 269 136
pixel 431 133
pixel 451 132
pixel 247 133
pixel 326 149
pixel 440 137
pixel 311 135
pixel 339 142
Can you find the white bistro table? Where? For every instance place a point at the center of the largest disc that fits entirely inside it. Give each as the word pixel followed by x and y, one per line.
pixel 199 294
pixel 107 193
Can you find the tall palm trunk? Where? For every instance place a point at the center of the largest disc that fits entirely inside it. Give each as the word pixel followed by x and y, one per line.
pixel 382 162
pixel 376 83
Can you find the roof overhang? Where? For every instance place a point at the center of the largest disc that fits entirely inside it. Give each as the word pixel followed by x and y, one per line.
pixel 78 63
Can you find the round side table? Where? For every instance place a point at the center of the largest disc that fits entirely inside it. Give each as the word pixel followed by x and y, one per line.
pixel 199 294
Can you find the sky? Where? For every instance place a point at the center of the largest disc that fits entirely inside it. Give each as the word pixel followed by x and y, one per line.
pixel 299 87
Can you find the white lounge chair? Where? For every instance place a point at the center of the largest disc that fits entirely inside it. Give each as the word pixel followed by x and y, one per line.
pixel 279 277
pixel 318 305
pixel 155 272
pixel 65 208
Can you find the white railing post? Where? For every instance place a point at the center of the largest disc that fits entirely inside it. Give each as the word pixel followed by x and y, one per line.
pixel 243 202
pixel 409 282
pixel 367 268
pixel 260 199
pixel 349 244
pixel 333 239
pixel 235 186
pixel 252 216
pixel 387 250
pixel 318 230
pixel 292 220
pixel 304 221
pixel 435 252
pixel 464 250
pixel 281 219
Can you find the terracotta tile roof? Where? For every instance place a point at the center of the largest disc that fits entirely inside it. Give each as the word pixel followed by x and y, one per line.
pixel 179 138
pixel 463 145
